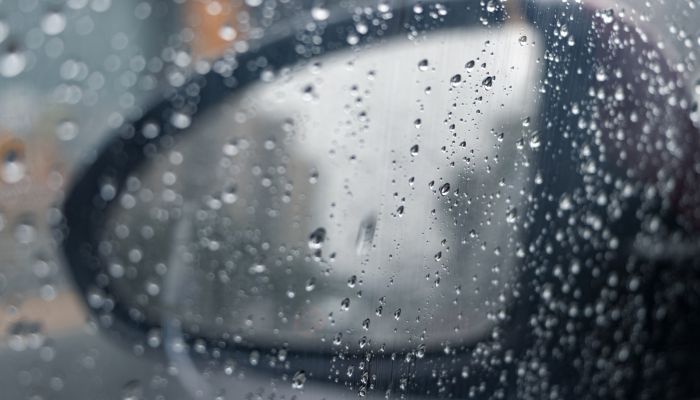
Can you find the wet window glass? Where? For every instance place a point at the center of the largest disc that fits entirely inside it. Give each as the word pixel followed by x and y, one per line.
pixel 309 199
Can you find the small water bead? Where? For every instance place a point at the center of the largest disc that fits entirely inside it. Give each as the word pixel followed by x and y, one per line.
pixel 522 40
pixel 180 120
pixel 320 13
pixel 445 189
pixel 316 239
pixel 12 63
pixel 53 23
pixel 229 196
pixel 420 351
pixel 67 130
pixel 310 285
pixel 456 80
pixel 299 379
pixel 487 82
pixel 512 215
pixel 13 167
pixel 470 65
pixel 227 32
pixel 345 304
pixel 423 65
pixel 365 324
pixel 414 150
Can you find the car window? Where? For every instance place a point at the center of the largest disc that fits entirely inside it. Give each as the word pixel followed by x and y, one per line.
pixel 222 199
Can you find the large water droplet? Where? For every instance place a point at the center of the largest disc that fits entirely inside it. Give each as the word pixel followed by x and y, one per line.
pixel 53 23
pixel 13 166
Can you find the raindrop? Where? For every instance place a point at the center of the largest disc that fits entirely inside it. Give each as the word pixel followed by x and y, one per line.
pixel 445 189
pixel 456 80
pixel 320 13
pixel 469 65
pixel 13 167
pixel 299 379
pixel 67 130
pixel 414 150
pixel 522 40
pixel 397 314
pixel 53 23
pixel 180 120
pixel 420 351
pixel 310 285
pixel 487 82
pixel 12 63
pixel 345 304
pixel 512 215
pixel 229 196
pixel 535 140
pixel 423 65
pixel 227 33
pixel 317 238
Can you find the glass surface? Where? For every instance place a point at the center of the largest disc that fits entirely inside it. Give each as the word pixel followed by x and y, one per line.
pixel 333 199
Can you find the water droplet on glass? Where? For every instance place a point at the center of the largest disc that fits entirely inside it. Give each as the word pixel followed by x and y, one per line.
pixel 345 304
pixel 13 166
pixel 317 238
pixel 338 339
pixel 420 351
pixel 445 189
pixel 53 23
pixel 512 215
pixel 456 80
pixel 310 285
pixel 180 120
pixel 229 196
pixel 365 324
pixel 299 379
pixel 12 63
pixel 319 13
pixel 66 130
pixel 227 33
pixel 397 314
pixel 522 40
pixel 535 140
pixel 469 65
pixel 487 82
pixel 423 65
pixel 414 150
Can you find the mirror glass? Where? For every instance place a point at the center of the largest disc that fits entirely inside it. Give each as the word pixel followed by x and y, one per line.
pixel 361 200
